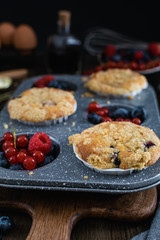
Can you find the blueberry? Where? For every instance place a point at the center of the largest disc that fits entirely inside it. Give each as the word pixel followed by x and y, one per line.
pixel 117 162
pixel 4 163
pixel 116 58
pixel 138 112
pixel 62 85
pixel 120 112
pixel 94 118
pixel 6 224
pixel 146 56
pixel 48 159
pixel 16 167
pixel 54 84
pixel 149 144
pixel 115 159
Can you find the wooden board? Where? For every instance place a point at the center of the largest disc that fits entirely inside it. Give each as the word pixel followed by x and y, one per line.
pixel 55 213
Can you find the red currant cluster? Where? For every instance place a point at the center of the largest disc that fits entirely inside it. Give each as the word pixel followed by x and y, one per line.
pixel 135 59
pixel 98 114
pixel 21 151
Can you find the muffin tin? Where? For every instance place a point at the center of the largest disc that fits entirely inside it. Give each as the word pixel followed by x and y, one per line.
pixel 66 172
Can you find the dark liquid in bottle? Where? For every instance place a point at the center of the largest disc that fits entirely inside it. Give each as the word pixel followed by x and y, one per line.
pixel 63 54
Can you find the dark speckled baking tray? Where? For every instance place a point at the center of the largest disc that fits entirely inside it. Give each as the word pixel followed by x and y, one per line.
pixel 66 172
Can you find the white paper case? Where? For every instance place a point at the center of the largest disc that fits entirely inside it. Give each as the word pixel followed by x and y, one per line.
pixel 110 171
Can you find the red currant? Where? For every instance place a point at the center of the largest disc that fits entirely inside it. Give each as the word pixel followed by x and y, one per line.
pixel 8 136
pixel 24 150
pixel 107 119
pixel 7 144
pixel 22 141
pixel 127 120
pixel 12 160
pixel 133 65
pixel 110 50
pixel 11 151
pixel 38 156
pixel 119 119
pixel 21 156
pixel 105 110
pixel 100 113
pixel 98 68
pixel 93 107
pixel 138 55
pixel 29 163
pixel 136 121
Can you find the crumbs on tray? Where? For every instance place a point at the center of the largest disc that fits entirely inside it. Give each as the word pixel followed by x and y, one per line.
pixel 87 94
pixel 5 125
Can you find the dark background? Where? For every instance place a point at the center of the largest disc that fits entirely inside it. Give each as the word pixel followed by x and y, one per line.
pixel 127 17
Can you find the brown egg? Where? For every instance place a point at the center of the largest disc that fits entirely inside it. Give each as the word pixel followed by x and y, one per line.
pixel 24 37
pixel 7 30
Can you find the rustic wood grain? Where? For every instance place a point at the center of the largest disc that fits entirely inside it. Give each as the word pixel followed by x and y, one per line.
pixel 54 214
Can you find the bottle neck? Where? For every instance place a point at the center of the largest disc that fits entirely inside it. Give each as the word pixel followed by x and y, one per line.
pixel 63 28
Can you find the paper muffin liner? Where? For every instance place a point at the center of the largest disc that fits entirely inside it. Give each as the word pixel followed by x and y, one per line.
pixel 109 171
pixel 49 122
pixel 130 94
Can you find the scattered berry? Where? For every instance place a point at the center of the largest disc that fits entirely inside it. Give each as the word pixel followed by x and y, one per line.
pixel 22 141
pixel 40 142
pixel 153 49
pixel 93 107
pixel 38 156
pixel 9 152
pixel 119 119
pixel 12 160
pixel 3 161
pixel 138 55
pixel 94 118
pixel 45 162
pixel 107 119
pixel 24 150
pixel 105 111
pixel 43 81
pixel 29 163
pixel 6 224
pixel 120 113
pixel 7 144
pixel 21 156
pixel 110 50
pixel 8 136
pixel 136 121
pixel 138 112
pixel 66 86
pixel 16 167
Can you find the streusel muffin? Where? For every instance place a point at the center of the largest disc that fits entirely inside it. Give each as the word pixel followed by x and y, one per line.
pixel 41 104
pixel 117 82
pixel 123 145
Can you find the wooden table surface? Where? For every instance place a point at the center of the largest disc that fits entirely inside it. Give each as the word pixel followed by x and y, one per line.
pixel 87 228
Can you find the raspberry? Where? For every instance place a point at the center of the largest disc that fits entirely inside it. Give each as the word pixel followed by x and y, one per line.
pixel 40 142
pixel 153 49
pixel 110 50
pixel 43 81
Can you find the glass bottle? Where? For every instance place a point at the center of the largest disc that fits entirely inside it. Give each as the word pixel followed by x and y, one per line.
pixel 63 48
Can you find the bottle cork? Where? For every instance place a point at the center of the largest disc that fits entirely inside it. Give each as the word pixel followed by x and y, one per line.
pixel 64 17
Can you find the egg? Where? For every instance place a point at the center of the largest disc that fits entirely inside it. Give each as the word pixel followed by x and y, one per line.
pixel 24 37
pixel 7 30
